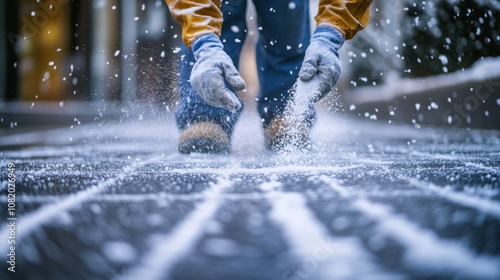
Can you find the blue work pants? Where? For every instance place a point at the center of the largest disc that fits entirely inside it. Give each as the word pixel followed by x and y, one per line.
pixel 284 36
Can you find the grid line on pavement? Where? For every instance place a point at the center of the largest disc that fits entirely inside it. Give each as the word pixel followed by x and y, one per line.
pixel 33 220
pixel 423 248
pixel 180 241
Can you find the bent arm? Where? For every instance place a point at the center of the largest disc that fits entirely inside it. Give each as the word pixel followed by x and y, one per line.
pixel 197 17
pixel 349 16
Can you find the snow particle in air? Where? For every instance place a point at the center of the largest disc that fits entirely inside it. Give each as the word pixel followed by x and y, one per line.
pixel 46 76
pixel 292 5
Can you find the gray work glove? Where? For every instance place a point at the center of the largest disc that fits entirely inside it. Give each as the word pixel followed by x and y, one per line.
pixel 321 63
pixel 213 66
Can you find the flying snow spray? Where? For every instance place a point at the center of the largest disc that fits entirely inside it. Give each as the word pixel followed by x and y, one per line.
pixel 303 96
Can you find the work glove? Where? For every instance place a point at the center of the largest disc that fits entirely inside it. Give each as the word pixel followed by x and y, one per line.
pixel 213 66
pixel 321 64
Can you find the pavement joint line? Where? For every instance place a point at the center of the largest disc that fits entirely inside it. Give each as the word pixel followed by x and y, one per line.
pixel 31 221
pixel 181 240
pixel 141 197
pixel 435 156
pixel 311 242
pixel 480 166
pixel 480 204
pixel 266 170
pixel 456 157
pixel 188 197
pixel 423 247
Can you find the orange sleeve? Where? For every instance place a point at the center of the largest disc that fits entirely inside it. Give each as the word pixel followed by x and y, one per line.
pixel 349 16
pixel 197 17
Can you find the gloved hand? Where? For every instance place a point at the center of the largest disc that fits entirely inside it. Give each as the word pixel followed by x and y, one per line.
pixel 212 67
pixel 321 61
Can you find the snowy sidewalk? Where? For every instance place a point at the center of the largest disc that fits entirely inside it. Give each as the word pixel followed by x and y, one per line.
pixel 373 201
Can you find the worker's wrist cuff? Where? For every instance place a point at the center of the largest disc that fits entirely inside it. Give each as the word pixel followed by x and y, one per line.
pixel 204 43
pixel 329 35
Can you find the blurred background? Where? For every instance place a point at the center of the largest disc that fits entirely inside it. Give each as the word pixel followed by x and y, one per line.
pixel 419 62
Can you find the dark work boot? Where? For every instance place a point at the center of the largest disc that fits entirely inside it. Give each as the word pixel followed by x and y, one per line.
pixel 204 137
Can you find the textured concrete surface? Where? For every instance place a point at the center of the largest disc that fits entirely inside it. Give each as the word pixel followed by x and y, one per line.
pixel 372 201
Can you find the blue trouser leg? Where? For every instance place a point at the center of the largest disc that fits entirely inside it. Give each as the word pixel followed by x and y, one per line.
pixel 284 38
pixel 191 108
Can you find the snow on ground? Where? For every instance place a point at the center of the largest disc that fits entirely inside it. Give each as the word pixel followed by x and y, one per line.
pixel 372 200
pixel 487 69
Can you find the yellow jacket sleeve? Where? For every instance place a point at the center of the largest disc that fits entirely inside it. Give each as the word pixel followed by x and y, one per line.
pixel 349 16
pixel 197 17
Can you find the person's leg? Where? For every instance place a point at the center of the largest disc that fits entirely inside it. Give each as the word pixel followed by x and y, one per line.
pixel 191 108
pixel 284 38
